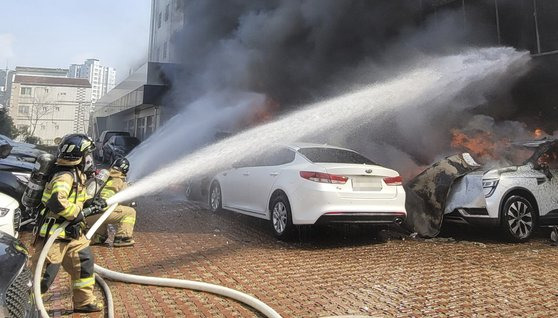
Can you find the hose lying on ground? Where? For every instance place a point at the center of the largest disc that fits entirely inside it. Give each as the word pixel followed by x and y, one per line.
pixel 108 295
pixel 145 280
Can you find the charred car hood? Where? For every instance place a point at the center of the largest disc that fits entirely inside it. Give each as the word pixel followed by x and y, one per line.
pixel 427 193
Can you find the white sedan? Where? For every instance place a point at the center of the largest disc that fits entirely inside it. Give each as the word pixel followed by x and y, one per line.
pixel 310 184
pixel 10 215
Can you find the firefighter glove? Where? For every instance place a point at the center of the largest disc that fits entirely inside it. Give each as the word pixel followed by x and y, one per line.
pixel 95 202
pixel 92 210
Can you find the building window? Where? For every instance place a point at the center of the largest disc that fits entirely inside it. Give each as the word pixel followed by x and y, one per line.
pixel 26 91
pixel 140 132
pixel 57 108
pixel 167 12
pixel 158 53
pixel 159 20
pixel 23 110
pixel 149 126
pixel 165 50
pixel 131 127
pixel 178 4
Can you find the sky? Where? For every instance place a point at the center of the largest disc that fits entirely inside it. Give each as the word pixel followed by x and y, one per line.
pixel 57 33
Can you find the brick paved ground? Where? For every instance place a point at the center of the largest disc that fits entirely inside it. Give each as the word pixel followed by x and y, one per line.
pixel 328 272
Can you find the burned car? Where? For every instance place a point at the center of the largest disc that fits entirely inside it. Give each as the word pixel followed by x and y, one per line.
pixel 518 199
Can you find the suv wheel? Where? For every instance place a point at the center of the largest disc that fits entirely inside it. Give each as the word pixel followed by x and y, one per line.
pixel 519 218
pixel 281 219
pixel 215 198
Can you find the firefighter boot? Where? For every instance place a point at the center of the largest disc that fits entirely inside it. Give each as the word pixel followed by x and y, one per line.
pixel 120 241
pixel 94 307
pixel 98 240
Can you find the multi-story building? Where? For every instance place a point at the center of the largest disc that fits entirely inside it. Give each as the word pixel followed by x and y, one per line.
pixel 49 106
pixel 102 78
pixel 167 18
pixel 136 104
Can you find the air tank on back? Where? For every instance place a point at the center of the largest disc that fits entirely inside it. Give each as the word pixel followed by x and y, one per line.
pixel 39 177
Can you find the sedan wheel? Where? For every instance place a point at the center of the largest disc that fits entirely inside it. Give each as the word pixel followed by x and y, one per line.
pixel 519 219
pixel 215 198
pixel 281 220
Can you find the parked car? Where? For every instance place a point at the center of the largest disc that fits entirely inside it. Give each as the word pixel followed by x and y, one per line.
pixel 16 294
pixel 10 215
pixel 310 184
pixel 22 151
pixel 103 138
pixel 118 146
pixel 518 199
pixel 14 174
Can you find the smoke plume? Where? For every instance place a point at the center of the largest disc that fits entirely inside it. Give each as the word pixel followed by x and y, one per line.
pixel 300 51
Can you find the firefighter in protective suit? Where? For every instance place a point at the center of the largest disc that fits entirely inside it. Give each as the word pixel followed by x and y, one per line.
pixel 64 199
pixel 124 217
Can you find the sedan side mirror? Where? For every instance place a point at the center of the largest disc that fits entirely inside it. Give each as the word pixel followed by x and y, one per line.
pixel 5 149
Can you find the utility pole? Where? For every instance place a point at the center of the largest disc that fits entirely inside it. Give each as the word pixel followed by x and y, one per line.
pixel 537 27
pixel 497 22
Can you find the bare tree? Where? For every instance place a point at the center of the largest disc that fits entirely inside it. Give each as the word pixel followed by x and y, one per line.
pixel 40 105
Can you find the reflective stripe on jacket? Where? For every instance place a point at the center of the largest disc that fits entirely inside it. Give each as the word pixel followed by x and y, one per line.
pixel 115 184
pixel 63 200
pixel 53 228
pixel 59 198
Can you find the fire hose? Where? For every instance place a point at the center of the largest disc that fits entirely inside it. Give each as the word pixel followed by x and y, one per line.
pixel 137 279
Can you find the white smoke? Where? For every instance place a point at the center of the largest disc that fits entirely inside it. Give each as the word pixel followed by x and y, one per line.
pixel 191 129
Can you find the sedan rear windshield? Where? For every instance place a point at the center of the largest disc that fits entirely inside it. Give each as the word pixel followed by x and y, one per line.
pixel 332 155
pixel 126 141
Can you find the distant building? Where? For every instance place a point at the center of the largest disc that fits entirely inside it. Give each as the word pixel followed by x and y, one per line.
pixel 49 106
pixel 102 78
pixel 6 78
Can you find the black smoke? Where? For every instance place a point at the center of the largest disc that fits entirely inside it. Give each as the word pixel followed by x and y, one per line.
pixel 301 51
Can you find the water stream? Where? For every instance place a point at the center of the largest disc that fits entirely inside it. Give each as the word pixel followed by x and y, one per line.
pixel 436 81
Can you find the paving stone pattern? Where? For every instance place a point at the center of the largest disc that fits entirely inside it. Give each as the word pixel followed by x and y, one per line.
pixel 322 272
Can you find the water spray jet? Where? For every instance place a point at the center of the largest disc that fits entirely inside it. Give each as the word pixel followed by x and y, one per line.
pixel 427 88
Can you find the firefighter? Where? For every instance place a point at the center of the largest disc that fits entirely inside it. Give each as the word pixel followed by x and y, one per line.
pixel 123 217
pixel 64 198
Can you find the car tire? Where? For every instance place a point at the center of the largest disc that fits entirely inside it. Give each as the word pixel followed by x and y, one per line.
pixel 519 219
pixel 281 217
pixel 215 198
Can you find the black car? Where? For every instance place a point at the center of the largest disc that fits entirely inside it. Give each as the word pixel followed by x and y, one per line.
pixel 22 151
pixel 16 293
pixel 118 146
pixel 14 173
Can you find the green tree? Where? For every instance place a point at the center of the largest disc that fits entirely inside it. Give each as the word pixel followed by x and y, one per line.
pixel 7 126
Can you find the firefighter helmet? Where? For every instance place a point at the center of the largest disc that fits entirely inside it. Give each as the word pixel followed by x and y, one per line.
pixel 121 164
pixel 73 148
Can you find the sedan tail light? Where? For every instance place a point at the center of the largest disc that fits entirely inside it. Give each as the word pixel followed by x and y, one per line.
pixel 323 177
pixel 393 181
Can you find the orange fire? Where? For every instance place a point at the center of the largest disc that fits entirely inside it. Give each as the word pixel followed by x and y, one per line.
pixel 481 144
pixel 260 114
pixel 539 133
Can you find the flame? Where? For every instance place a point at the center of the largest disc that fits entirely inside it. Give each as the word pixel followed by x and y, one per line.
pixel 539 133
pixel 260 114
pixel 481 143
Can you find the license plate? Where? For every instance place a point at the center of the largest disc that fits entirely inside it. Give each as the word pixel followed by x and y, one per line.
pixel 366 184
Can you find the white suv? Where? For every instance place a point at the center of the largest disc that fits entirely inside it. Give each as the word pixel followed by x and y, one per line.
pixel 518 199
pixel 10 215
